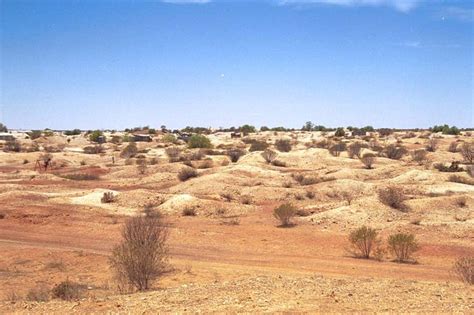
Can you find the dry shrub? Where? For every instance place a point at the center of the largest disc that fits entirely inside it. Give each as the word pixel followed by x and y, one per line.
pixel 68 290
pixel 227 196
pixel 187 173
pixel 258 146
pixel 467 151
pixel 395 152
pixel 269 155
pixel 461 201
pixel 368 160
pixel 284 213
pixel 470 170
pixel 419 156
pixel 246 200
pixel 460 179
pixel 278 163
pixel 129 151
pixel 38 294
pixel 142 166
pixel 464 268
pixel 402 246
pixel 452 168
pixel 283 145
pixel 173 154
pixel 108 197
pixel 310 194
pixel 12 146
pixel 93 149
pixel 393 197
pixel 354 149
pixel 235 154
pixel 363 241
pixel 337 148
pixel 349 195
pixel 189 212
pixel 432 144
pixel 142 255
pixel 453 147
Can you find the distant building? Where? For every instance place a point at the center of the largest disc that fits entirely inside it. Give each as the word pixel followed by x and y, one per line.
pixel 6 136
pixel 142 138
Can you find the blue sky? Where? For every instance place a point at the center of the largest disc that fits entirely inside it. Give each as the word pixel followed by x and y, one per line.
pixel 116 64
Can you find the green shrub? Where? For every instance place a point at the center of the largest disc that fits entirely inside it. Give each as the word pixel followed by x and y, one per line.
pixel 340 132
pixel 95 135
pixel 169 138
pixel 363 241
pixel 199 141
pixel 402 246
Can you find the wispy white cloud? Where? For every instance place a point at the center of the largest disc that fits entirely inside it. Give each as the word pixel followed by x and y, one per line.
pixel 186 1
pixel 409 44
pixel 400 5
pixel 457 13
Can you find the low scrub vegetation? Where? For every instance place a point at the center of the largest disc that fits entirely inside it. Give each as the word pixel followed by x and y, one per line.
pixel 393 196
pixel 235 154
pixel 187 173
pixel 394 152
pixel 432 144
pixel 467 152
pixel 402 246
pixel 464 269
pixel 269 155
pixel 285 213
pixel 68 290
pixel 108 197
pixel 368 159
pixel 419 156
pixel 199 141
pixel 141 257
pixel 80 176
pixel 129 151
pixel 363 241
pixel 283 145
pixel 258 146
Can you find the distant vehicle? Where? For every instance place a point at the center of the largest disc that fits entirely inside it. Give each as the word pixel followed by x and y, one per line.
pixel 142 138
pixel 6 136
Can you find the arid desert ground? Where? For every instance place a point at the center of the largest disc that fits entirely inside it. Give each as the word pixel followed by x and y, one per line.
pixel 227 251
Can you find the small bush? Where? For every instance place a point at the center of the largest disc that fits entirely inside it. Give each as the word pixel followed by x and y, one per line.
pixel 354 149
pixel 464 269
pixel 108 197
pixel 283 145
pixel 461 201
pixel 95 136
pixel 169 138
pixel 340 132
pixel 461 180
pixel 187 173
pixel 269 155
pixel 467 152
pixel 395 152
pixel 452 168
pixel 453 147
pixel 284 213
pixel 12 146
pixel 363 241
pixel 258 146
pixel 189 212
pixel 337 148
pixel 67 290
pixel 142 166
pixel 393 197
pixel 38 294
pixel 402 246
pixel 235 154
pixel 199 141
pixel 432 145
pixel 129 151
pixel 93 149
pixel 419 156
pixel 368 160
pixel 173 154
pixel 310 194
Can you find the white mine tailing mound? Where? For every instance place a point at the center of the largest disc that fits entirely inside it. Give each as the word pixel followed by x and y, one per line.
pixel 178 202
pixel 93 198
